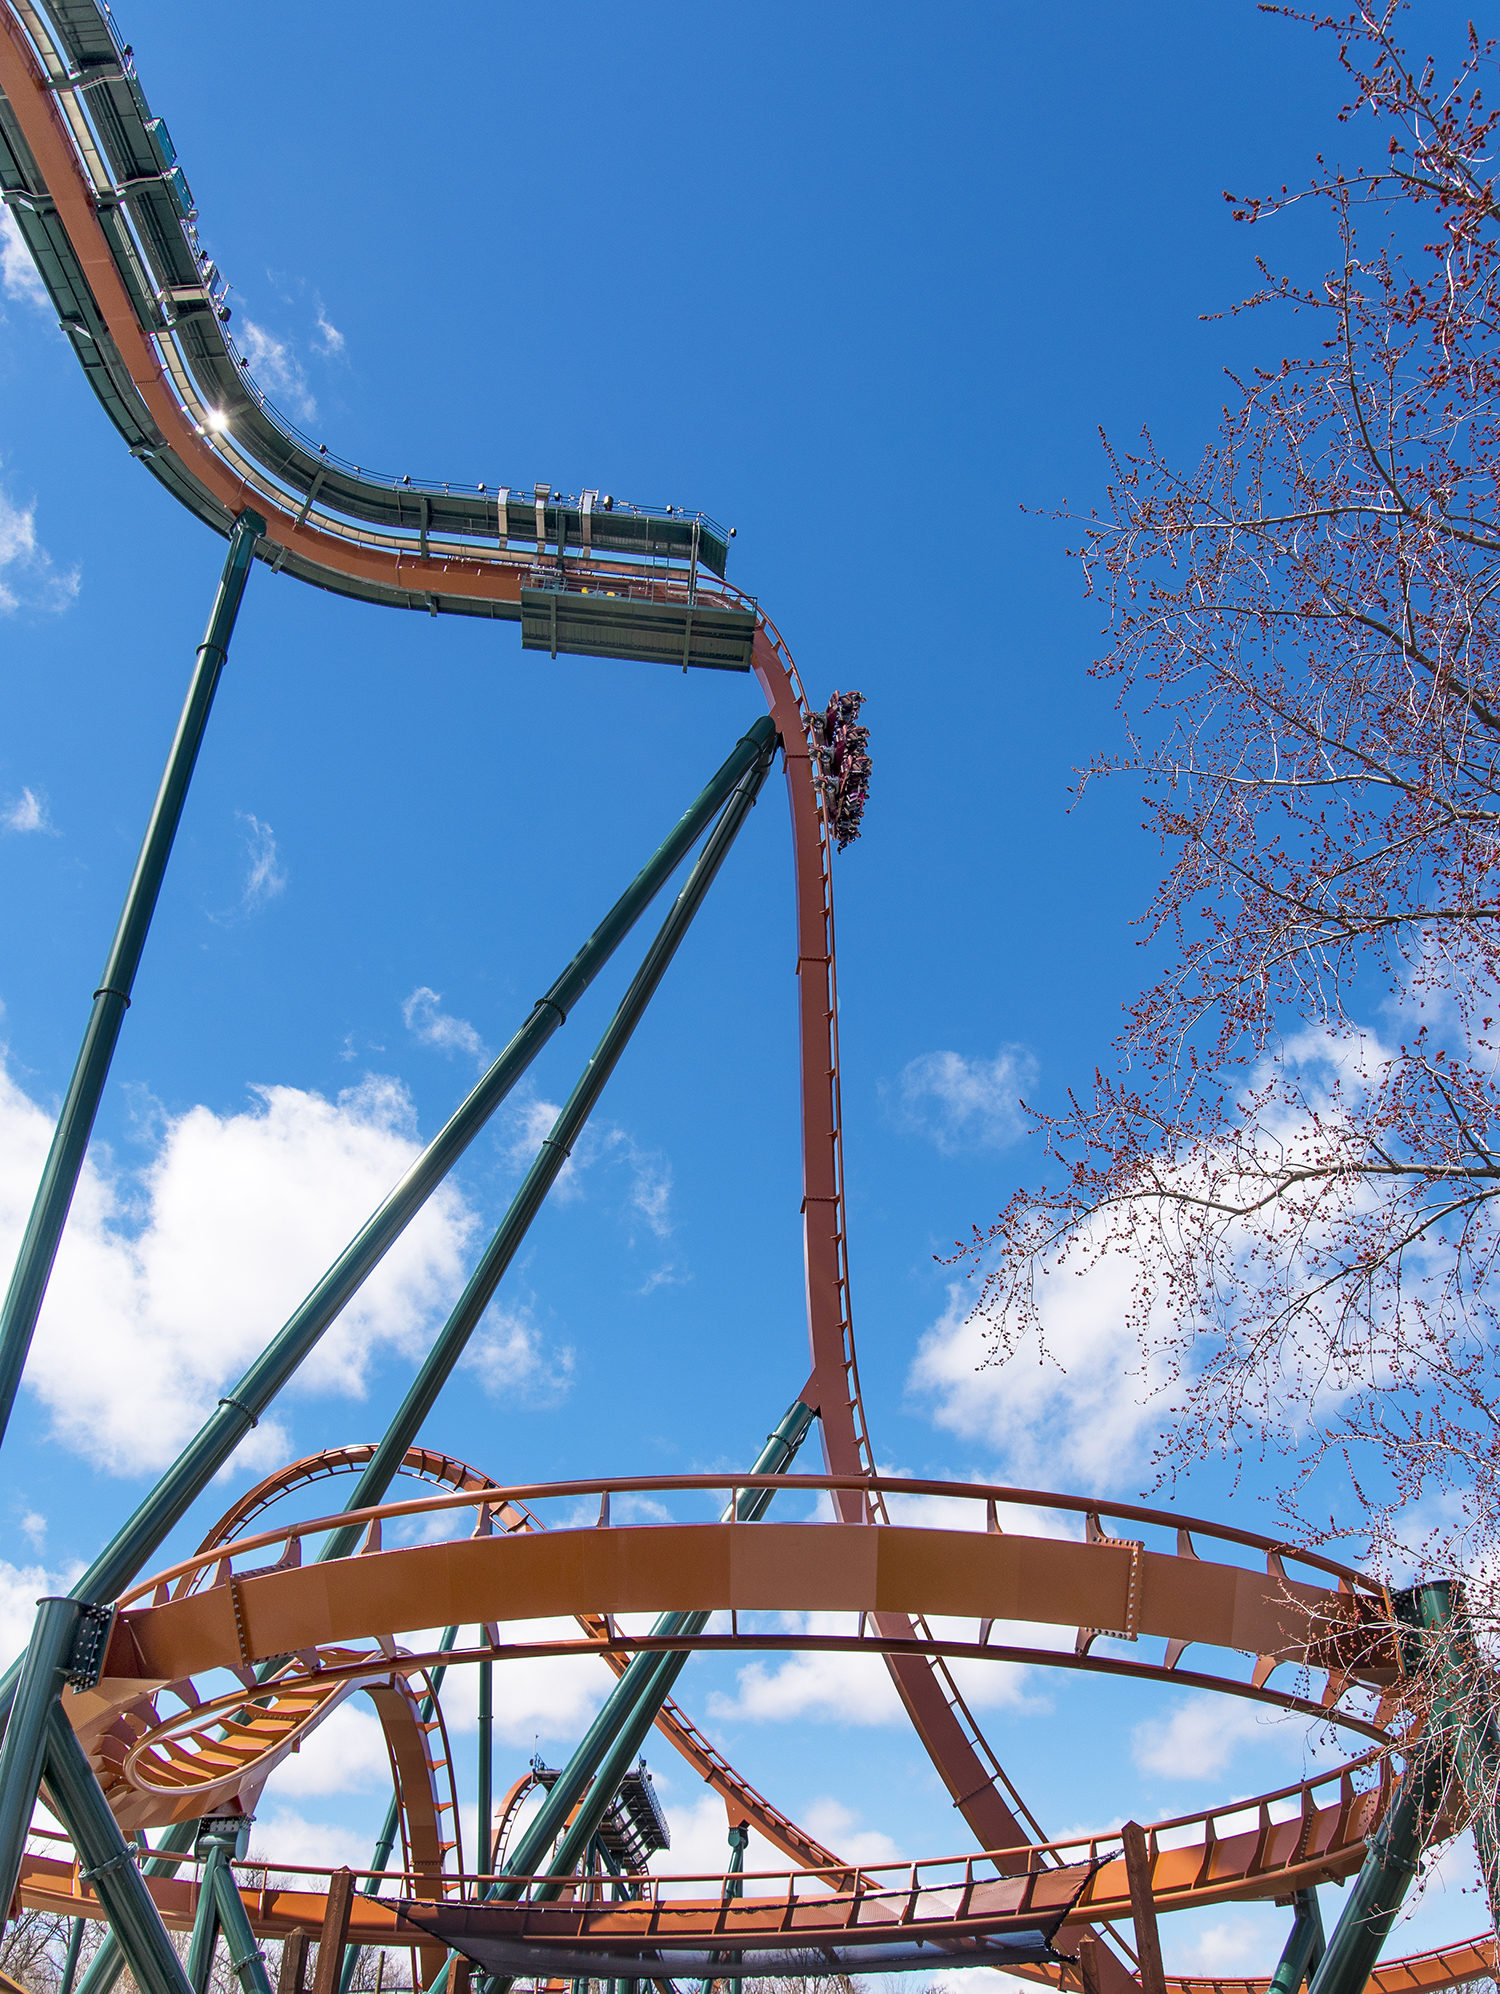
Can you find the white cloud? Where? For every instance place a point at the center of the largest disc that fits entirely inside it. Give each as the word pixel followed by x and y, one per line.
pixel 34 1528
pixel 329 337
pixel 836 1827
pixel 600 1145
pixel 963 1104
pixel 514 1362
pixel 345 1754
pixel 284 1835
pixel 425 1017
pixel 27 813
pixel 171 1279
pixel 19 276
pixel 28 579
pixel 277 369
pixel 21 1586
pixel 265 876
pixel 1081 1414
pixel 1205 1732
pixel 828 1688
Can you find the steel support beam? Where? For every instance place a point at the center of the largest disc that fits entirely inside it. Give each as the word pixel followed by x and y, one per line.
pixel 1459 1732
pixel 200 1962
pixel 240 1410
pixel 1303 1952
pixel 104 1968
pixel 43 1672
pixel 630 1710
pixel 452 1339
pixel 109 1863
pixel 70 1139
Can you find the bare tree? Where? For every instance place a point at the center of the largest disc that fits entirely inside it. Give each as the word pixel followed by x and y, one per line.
pixel 1298 1147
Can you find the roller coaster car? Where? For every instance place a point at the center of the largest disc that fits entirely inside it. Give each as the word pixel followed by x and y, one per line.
pixel 602 621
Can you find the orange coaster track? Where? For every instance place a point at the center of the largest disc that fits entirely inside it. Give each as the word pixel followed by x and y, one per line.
pixel 91 180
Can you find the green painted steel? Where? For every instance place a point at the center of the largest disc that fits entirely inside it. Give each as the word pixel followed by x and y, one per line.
pixel 485 1806
pixel 109 1863
pixel 42 1675
pixel 240 1410
pixel 1303 1952
pixel 246 1960
pixel 638 1695
pixel 1466 1685
pixel 70 1139
pixel 200 1959
pixel 629 1691
pixel 105 1967
pixel 1438 1644
pixel 70 1960
pixel 453 1338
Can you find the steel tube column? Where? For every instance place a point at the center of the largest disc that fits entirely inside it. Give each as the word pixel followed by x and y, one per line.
pixel 70 1139
pixel 639 1680
pixel 103 1969
pixel 240 1410
pixel 245 1958
pixel 1302 1954
pixel 1391 1859
pixel 452 1339
pixel 200 1959
pixel 109 1863
pixel 485 1804
pixel 21 1755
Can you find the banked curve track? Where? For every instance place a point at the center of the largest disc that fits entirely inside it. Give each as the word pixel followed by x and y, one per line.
pixel 91 178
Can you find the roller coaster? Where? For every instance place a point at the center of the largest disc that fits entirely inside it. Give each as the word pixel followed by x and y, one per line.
pixel 164 1703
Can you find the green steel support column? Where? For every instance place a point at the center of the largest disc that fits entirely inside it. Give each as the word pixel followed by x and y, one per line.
pixel 70 1962
pixel 70 1139
pixel 1391 1857
pixel 108 1863
pixel 452 1339
pixel 387 1838
pixel 739 1841
pixel 1303 1951
pixel 1466 1685
pixel 486 1805
pixel 780 1450
pixel 122 1559
pixel 638 1694
pixel 105 1967
pixel 245 1957
pixel 43 1672
pixel 200 1962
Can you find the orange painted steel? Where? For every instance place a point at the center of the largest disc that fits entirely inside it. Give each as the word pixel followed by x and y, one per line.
pixel 742 1799
pixel 893 1577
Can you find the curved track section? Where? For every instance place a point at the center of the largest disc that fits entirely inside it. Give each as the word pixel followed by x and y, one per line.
pixel 92 180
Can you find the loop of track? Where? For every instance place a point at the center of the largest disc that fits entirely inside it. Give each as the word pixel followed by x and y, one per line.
pixel 163 384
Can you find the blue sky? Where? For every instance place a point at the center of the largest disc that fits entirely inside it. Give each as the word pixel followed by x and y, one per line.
pixel 864 284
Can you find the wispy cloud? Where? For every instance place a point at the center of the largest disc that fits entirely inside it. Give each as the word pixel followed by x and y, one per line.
pixel 606 1144
pixel 34 1528
pixel 1204 1733
pixel 19 276
pixel 277 369
pixel 27 813
pixel 430 1024
pixel 265 875
pixel 963 1104
pixel 514 1361
pixel 330 339
pixel 29 578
